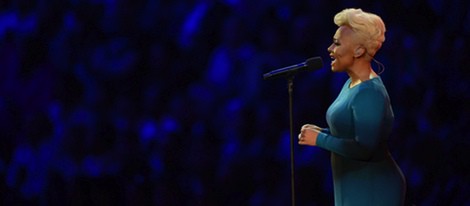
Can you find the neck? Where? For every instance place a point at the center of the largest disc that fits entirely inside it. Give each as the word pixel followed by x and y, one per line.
pixel 361 71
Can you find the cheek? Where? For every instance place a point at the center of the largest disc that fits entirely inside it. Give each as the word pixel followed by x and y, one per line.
pixel 342 61
pixel 338 52
pixel 341 54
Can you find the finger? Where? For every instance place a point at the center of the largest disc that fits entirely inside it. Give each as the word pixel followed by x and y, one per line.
pixel 309 130
pixel 305 131
pixel 307 126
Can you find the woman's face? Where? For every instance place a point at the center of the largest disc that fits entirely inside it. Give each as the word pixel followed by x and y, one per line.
pixel 342 49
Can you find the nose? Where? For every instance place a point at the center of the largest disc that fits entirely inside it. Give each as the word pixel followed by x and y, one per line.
pixel 330 49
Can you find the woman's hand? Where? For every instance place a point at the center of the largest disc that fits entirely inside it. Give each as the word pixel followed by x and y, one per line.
pixel 308 134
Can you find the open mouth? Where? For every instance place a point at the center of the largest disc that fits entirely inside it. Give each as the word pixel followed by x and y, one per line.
pixel 333 59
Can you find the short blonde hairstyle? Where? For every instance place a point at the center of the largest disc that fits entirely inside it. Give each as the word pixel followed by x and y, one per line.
pixel 367 26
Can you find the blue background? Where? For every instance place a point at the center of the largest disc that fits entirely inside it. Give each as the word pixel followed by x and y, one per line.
pixel 114 102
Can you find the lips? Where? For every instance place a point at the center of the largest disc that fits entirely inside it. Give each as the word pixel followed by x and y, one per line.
pixel 333 59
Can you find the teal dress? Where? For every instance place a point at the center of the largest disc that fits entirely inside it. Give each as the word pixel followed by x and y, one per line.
pixel 360 121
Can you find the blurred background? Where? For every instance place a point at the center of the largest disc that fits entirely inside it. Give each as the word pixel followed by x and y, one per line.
pixel 142 102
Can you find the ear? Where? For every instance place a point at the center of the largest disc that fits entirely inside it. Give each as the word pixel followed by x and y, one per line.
pixel 359 52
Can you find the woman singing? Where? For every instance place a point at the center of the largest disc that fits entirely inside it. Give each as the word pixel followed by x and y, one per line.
pixel 360 119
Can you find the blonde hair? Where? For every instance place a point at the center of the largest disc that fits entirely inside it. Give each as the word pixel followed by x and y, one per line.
pixel 367 26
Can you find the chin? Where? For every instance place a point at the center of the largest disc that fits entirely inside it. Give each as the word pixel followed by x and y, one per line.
pixel 336 69
pixel 333 69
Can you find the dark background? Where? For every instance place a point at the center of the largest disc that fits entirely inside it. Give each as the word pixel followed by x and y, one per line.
pixel 115 102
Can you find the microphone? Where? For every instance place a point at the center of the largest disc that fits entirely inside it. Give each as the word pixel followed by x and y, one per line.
pixel 309 65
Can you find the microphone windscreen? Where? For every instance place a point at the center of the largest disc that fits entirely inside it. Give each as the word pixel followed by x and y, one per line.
pixel 314 63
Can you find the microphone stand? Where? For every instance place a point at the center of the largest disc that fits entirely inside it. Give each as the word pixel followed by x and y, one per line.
pixel 290 83
pixel 289 72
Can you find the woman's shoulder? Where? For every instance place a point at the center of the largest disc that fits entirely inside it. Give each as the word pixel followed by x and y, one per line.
pixel 372 84
pixel 372 87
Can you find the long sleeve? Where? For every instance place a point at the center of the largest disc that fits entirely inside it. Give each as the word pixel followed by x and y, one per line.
pixel 368 108
pixel 326 130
